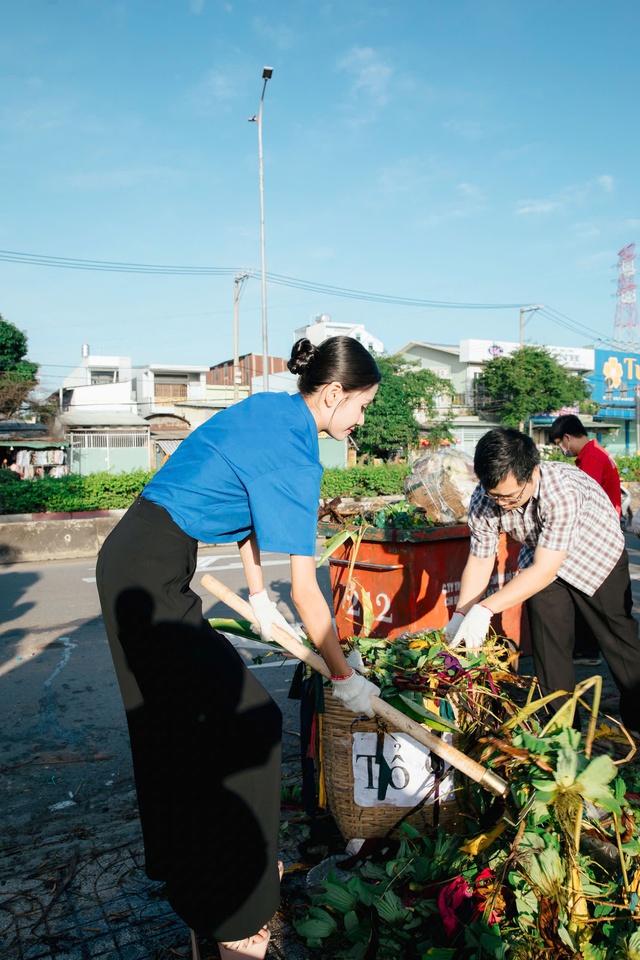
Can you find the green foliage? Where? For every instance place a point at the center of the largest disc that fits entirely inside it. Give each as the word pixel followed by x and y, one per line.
pixel 528 382
pixel 516 883
pixel 550 453
pixel 98 491
pixel 628 468
pixel 8 476
pixel 384 480
pixel 390 420
pixel 17 375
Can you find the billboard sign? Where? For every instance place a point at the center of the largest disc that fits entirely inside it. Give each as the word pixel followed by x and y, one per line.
pixel 615 382
pixel 481 351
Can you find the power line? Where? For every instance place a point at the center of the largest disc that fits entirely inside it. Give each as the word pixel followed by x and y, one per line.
pixel 330 290
pixel 112 266
pixel 70 263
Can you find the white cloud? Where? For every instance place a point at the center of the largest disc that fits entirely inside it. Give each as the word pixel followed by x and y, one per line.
pixel 467 129
pixel 322 253
pixel 515 153
pixel 196 6
pixel 536 206
pixel 370 75
pixel 584 231
pixel 279 34
pixel 217 87
pixel 406 175
pixel 469 203
pixel 573 195
pixel 119 179
pixel 470 191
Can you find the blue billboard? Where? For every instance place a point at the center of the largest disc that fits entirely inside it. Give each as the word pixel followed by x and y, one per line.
pixel 615 382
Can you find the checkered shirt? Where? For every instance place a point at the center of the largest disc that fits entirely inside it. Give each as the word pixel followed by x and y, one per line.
pixel 568 511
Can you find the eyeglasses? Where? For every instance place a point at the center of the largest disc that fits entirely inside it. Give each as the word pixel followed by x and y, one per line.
pixel 511 498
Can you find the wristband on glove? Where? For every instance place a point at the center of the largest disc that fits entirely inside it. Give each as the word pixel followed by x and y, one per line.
pixel 346 677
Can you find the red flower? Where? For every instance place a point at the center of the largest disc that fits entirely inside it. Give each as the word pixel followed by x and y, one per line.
pixel 451 897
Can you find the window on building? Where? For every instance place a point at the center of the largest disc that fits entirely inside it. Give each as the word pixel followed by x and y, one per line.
pixel 104 376
pixel 168 387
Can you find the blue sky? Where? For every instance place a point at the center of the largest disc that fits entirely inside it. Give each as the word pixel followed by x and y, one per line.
pixel 475 153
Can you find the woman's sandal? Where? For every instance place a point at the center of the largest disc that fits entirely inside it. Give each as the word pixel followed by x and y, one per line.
pixel 254 947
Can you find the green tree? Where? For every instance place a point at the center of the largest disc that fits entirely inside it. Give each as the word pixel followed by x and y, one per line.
pixel 390 421
pixel 18 376
pixel 528 382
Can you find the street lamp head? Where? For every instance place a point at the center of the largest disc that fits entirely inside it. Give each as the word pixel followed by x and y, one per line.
pixel 252 119
pixel 266 73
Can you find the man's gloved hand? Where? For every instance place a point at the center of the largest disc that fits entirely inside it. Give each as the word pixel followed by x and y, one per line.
pixel 474 628
pixel 452 627
pixel 357 663
pixel 266 615
pixel 355 693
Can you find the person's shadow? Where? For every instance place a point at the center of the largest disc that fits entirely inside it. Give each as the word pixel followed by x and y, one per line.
pixel 205 739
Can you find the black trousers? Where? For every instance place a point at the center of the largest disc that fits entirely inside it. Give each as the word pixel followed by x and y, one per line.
pixel 607 616
pixel 205 734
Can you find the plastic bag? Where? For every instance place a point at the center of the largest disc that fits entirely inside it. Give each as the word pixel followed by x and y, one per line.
pixel 442 483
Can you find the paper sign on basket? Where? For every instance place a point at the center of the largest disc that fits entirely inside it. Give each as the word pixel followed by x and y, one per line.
pixel 409 776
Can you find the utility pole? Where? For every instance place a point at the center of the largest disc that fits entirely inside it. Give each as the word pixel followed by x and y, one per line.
pixel 236 347
pixel 524 310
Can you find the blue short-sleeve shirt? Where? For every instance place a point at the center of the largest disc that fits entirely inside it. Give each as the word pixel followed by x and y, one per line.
pixel 254 466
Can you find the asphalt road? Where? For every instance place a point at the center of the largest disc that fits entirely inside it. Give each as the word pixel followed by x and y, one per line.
pixel 71 879
pixel 66 790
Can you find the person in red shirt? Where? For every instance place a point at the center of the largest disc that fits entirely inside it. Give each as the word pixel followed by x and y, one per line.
pixel 568 433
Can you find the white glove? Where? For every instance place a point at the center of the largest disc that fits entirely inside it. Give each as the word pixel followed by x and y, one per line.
pixel 266 615
pixel 355 693
pixel 357 663
pixel 452 627
pixel 474 628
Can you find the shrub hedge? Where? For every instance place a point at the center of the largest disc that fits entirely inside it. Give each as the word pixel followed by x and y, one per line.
pixel 364 481
pixel 98 491
pixel 628 468
pixel 106 491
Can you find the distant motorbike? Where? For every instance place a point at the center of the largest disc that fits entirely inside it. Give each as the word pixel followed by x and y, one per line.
pixel 626 516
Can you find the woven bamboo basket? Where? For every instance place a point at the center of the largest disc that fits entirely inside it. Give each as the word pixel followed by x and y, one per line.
pixel 338 727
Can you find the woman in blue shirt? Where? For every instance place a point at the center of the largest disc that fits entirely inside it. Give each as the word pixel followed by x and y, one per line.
pixel 205 735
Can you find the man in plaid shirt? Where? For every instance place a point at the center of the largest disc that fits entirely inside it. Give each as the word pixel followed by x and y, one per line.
pixel 573 558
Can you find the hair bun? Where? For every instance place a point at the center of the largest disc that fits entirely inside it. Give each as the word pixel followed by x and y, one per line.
pixel 303 353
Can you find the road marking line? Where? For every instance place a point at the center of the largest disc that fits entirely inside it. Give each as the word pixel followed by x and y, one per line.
pixel 207 562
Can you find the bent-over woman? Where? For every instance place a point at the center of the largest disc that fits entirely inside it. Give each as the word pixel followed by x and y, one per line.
pixel 205 735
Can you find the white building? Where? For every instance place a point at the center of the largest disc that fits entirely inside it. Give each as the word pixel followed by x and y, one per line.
pixel 463 364
pixel 474 354
pixel 324 327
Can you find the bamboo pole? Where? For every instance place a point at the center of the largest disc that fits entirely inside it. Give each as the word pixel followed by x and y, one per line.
pixel 470 768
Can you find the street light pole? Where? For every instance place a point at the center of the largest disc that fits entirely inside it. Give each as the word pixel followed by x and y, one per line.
pixel 266 75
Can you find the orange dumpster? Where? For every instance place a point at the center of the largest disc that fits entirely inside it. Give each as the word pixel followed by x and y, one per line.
pixel 413 580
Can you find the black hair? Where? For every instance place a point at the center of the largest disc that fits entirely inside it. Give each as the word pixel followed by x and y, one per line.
pixel 341 360
pixel 503 451
pixel 567 423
